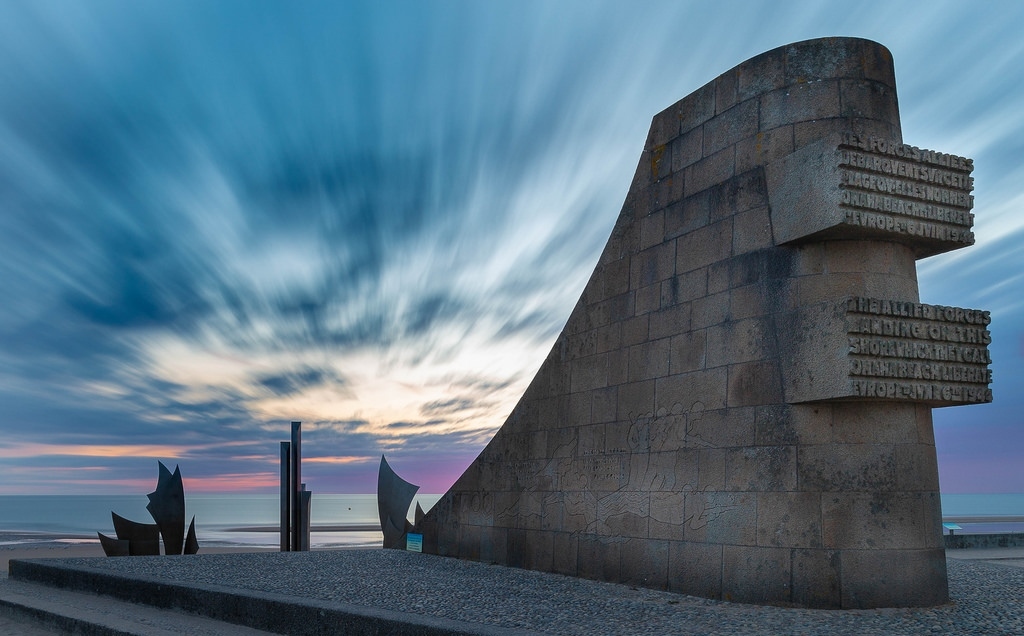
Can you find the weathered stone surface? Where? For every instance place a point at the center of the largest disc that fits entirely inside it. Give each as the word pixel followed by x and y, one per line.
pixel 739 405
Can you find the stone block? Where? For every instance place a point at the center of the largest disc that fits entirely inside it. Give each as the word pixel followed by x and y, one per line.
pixel 667 515
pixel 816 578
pixel 599 558
pixel 696 108
pixel 874 423
pixel 608 338
pixel 709 171
pixel 645 562
pixel 752 574
pixel 580 414
pixel 579 510
pixel 725 92
pixel 869 100
pixel 891 578
pixel 652 229
pixel 735 341
pixel 710 310
pixel 798 103
pixel 815 60
pixel 687 150
pixel 704 246
pixel 752 231
pixel 847 468
pixel 754 383
pixel 648 299
pixel 763 74
pixel 493 545
pixel 695 568
pixel 694 212
pixel 755 300
pixel 664 128
pixel 711 470
pixel 684 288
pixel 739 122
pixel 789 519
pixel 880 521
pixel 635 330
pixel 760 468
pixel 636 398
pixel 623 514
pixel 670 321
pixel 721 517
pixel 688 351
pixel 649 360
pixel 590 373
pixel 723 428
pixel 796 424
pixel 653 265
pixel 708 387
pixel 764 147
pixel 604 405
pixel 719 276
pixel 565 551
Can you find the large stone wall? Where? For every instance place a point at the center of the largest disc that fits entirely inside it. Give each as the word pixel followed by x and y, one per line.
pixel 739 405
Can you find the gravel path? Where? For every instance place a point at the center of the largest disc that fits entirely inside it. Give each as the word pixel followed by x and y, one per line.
pixel 987 598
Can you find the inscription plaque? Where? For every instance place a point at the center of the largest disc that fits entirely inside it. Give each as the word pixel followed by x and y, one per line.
pixel 892 350
pixel 857 186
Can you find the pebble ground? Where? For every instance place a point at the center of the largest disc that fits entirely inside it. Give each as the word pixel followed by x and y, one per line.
pixel 987 598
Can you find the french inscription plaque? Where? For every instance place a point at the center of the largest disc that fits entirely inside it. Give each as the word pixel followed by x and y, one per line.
pixel 850 186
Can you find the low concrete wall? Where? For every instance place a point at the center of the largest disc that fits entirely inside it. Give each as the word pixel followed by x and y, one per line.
pixel 1004 540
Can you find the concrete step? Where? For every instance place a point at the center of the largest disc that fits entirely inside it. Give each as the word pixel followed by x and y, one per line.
pixel 37 609
pixel 52 610
pixel 226 605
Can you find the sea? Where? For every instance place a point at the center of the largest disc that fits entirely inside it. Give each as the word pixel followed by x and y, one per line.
pixel 246 520
pixel 338 521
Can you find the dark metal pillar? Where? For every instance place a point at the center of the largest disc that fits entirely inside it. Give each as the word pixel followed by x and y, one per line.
pixel 295 495
pixel 286 509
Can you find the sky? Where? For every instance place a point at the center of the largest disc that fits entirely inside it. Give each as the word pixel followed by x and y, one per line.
pixel 374 218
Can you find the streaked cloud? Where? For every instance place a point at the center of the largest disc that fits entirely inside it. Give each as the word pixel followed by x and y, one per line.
pixel 216 218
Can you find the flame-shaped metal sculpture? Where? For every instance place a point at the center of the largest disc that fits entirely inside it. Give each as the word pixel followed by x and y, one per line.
pixel 167 505
pixel 394 495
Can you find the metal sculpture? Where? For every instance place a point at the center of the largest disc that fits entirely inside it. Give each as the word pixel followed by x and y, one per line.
pixel 394 495
pixel 167 505
pixel 296 501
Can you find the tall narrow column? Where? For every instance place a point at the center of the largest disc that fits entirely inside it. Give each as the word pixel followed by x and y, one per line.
pixel 295 487
pixel 286 509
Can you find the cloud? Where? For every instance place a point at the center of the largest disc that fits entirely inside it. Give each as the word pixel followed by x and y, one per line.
pixel 376 218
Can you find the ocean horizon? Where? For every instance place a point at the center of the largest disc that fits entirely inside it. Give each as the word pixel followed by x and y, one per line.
pixel 251 520
pixel 246 520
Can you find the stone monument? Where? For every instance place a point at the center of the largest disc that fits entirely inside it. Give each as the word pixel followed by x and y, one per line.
pixel 739 405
